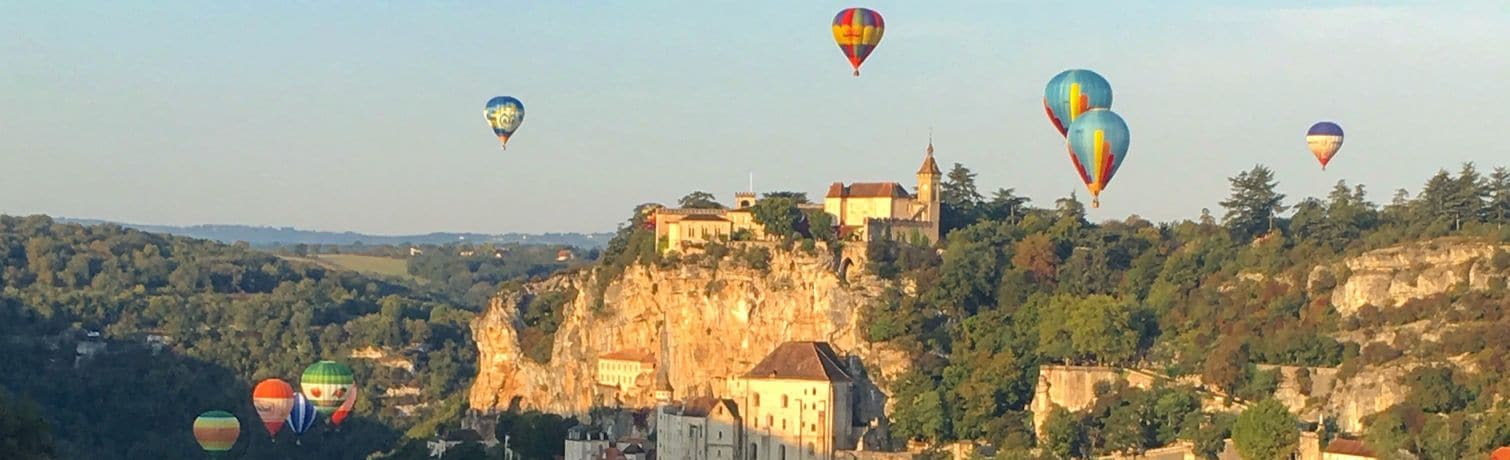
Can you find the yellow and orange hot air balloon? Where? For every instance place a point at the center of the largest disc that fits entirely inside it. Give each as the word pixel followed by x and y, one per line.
pixel 274 399
pixel 858 31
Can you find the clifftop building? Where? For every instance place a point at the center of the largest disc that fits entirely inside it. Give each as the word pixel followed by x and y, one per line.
pixel 862 211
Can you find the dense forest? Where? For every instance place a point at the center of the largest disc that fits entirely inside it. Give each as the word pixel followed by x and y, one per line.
pixel 118 338
pixel 1014 286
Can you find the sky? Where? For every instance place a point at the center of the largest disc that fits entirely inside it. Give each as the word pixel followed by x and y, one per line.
pixel 367 117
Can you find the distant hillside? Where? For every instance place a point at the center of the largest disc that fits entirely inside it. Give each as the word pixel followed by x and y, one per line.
pixel 273 236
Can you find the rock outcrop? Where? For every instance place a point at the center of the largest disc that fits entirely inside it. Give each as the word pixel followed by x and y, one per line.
pixel 704 324
pixel 1392 276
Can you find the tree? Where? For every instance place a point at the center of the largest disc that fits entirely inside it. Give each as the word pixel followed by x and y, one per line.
pixel 796 197
pixel 23 434
pixel 1265 431
pixel 1227 366
pixel 778 215
pixel 1253 204
pixel 1006 205
pixel 1064 435
pixel 1466 201
pixel 1038 255
pixel 699 200
pixel 960 202
pixel 1498 208
pixel 1433 390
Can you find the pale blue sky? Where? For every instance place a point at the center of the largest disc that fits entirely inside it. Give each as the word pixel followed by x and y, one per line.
pixel 367 117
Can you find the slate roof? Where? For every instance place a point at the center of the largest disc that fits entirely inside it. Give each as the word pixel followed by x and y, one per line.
pixel 801 361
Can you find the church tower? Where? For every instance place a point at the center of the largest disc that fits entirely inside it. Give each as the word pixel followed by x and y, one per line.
pixel 928 192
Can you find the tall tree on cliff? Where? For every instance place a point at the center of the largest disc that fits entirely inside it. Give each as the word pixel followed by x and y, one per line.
pixel 1254 204
pixel 960 202
pixel 1265 431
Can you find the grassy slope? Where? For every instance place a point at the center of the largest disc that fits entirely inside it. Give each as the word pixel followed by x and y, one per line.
pixel 385 266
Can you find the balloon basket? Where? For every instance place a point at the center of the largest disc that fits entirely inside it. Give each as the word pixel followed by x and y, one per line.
pixel 857 73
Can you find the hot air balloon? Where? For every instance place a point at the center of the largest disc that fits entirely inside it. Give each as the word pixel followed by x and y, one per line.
pixel 504 114
pixel 301 417
pixel 1098 144
pixel 325 385
pixel 345 410
pixel 858 31
pixel 1073 92
pixel 216 431
pixel 1324 139
pixel 273 399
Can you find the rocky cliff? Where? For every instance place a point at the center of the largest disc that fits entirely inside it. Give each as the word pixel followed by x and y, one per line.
pixel 1391 277
pixel 703 322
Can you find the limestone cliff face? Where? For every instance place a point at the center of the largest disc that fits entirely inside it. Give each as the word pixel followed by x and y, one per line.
pixel 704 325
pixel 1393 276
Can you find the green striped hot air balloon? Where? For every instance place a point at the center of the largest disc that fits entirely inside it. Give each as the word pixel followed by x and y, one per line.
pixel 216 431
pixel 325 385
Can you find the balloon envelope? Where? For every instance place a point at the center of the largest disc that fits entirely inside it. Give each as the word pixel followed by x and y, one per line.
pixel 1072 93
pixel 302 416
pixel 858 31
pixel 504 114
pixel 345 410
pixel 216 430
pixel 325 385
pixel 1098 144
pixel 273 399
pixel 1324 139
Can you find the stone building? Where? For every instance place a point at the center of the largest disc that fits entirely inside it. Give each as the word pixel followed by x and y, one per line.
pixel 862 211
pixel 626 370
pixel 793 405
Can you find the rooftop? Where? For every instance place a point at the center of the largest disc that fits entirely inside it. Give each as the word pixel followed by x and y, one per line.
pixel 801 361
pixel 867 190
pixel 1349 447
pixel 641 356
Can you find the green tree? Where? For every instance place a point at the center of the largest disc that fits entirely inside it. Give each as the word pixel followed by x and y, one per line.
pixel 960 202
pixel 23 434
pixel 1498 207
pixel 796 197
pixel 1064 434
pixel 1433 390
pixel 1226 368
pixel 1006 205
pixel 1096 329
pixel 778 216
pixel 1254 204
pixel 1265 431
pixel 699 200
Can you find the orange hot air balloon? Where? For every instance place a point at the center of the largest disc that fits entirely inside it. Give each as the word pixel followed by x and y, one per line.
pixel 274 399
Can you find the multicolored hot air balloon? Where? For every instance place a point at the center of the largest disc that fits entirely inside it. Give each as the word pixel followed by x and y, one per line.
pixel 1098 144
pixel 1324 139
pixel 273 399
pixel 302 417
pixel 858 31
pixel 345 410
pixel 325 384
pixel 504 114
pixel 1074 92
pixel 216 431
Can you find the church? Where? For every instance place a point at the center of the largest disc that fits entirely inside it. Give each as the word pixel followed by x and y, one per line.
pixel 862 211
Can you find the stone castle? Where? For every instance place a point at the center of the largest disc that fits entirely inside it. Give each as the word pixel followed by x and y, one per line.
pixel 862 211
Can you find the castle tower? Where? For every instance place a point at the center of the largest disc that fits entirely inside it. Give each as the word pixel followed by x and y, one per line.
pixel 928 192
pixel 744 200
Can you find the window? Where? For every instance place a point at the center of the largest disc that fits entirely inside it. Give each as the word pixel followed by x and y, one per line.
pixel 769 421
pixel 783 424
pixel 783 401
pixel 757 399
pixel 783 452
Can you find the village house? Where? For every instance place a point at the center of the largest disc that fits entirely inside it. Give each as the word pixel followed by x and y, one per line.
pixel 862 211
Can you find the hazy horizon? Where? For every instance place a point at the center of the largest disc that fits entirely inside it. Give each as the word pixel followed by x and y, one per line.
pixel 368 119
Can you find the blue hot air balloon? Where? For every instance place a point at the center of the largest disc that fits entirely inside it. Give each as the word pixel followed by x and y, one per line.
pixel 1324 139
pixel 1073 92
pixel 1098 144
pixel 504 114
pixel 303 416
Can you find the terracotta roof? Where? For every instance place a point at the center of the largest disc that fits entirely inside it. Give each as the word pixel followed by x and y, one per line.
pixel 705 217
pixel 867 190
pixel 801 361
pixel 929 166
pixel 731 406
pixel 698 407
pixel 1502 453
pixel 630 355
pixel 1349 447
